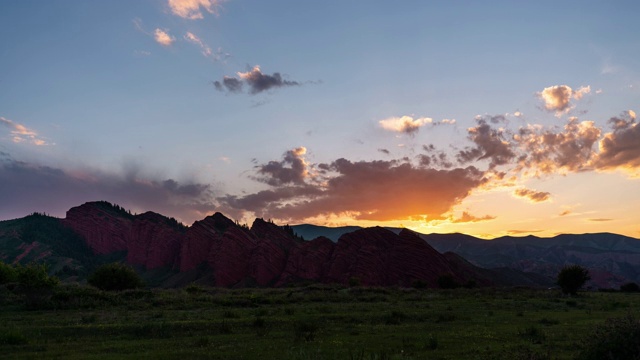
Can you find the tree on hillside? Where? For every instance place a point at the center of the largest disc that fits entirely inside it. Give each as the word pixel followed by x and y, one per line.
pixel 115 277
pixel 571 278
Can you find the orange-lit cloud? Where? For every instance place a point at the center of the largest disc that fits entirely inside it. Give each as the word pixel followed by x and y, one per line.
pixel 547 151
pixel 192 9
pixel 163 38
pixel 20 133
pixel 364 190
pixel 620 149
pixel 404 124
pixel 600 219
pixel 532 195
pixel 558 98
pixel 519 232
pixel 467 217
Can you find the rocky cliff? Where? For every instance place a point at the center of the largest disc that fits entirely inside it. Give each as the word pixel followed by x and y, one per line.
pixel 263 255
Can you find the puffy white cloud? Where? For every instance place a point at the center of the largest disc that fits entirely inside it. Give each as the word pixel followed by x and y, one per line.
pixel 192 9
pixel 404 124
pixel 163 38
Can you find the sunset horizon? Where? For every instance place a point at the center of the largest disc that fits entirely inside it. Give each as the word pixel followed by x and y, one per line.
pixel 489 120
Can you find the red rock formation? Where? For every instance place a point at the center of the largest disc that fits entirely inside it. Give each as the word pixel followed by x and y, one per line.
pixel 309 261
pixel 265 255
pixel 105 228
pixel 376 256
pixel 154 241
pixel 269 257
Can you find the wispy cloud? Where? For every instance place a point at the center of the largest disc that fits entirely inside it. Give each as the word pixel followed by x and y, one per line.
pixel 193 9
pixel 600 219
pixel 519 232
pixel 206 51
pixel 20 133
pixel 532 195
pixel 255 79
pixel 467 217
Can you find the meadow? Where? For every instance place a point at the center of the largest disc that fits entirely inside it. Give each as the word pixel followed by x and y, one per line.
pixel 312 322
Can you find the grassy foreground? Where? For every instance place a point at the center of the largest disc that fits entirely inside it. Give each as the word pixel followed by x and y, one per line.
pixel 314 322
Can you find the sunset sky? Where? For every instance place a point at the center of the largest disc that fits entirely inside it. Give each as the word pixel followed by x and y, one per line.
pixel 489 118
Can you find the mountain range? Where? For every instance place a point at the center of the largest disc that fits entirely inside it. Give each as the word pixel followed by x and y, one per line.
pixel 217 251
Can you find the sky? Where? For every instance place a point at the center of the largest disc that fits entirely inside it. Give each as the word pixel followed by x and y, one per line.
pixel 488 118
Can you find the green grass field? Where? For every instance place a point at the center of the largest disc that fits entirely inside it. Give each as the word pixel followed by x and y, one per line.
pixel 314 322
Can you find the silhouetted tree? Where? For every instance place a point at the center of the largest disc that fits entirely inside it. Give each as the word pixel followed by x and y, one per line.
pixel 630 287
pixel 446 281
pixel 571 278
pixel 116 277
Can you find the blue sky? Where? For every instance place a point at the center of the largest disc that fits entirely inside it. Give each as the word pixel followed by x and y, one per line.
pixel 117 101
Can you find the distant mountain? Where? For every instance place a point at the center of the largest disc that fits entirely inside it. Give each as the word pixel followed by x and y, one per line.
pixel 217 251
pixel 612 259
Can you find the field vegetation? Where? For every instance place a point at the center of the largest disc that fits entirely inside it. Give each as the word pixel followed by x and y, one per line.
pixel 312 322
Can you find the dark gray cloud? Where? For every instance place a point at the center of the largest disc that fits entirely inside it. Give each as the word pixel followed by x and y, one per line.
pixel 229 84
pixel 292 169
pixel 255 80
pixel 490 143
pixel 28 187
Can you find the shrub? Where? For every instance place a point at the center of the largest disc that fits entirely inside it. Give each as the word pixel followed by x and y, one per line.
pixel 571 278
pixel 617 338
pixel 8 273
pixel 35 276
pixel 115 277
pixel 630 287
pixel 447 281
pixel 305 330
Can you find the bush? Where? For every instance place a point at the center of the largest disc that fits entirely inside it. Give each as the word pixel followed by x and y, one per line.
pixel 35 276
pixel 630 287
pixel 115 277
pixel 617 338
pixel 571 278
pixel 447 281
pixel 8 274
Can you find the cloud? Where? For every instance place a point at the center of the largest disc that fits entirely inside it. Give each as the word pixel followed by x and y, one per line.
pixel 491 143
pixel 163 38
pixel 578 94
pixel 385 151
pixel 255 80
pixel 293 169
pixel 20 133
pixel 620 149
pixel 532 195
pixel 466 217
pixel 404 124
pixel 600 219
pixel 192 9
pixel 558 98
pixel 192 38
pixel 565 212
pixel 28 187
pixel 547 151
pixel 364 190
pixel 518 232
